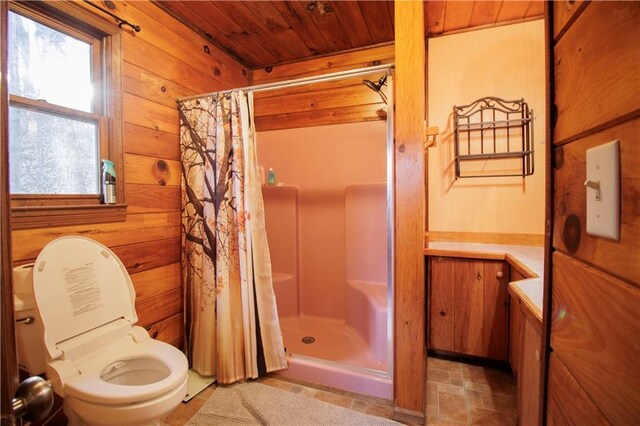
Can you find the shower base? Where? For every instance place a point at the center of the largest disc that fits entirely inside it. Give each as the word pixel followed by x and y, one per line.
pixel 333 341
pixel 338 357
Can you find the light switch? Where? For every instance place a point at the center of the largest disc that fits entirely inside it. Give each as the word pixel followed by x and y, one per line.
pixel 603 190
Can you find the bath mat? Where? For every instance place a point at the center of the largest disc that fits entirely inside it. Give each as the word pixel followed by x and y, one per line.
pixel 196 384
pixel 254 403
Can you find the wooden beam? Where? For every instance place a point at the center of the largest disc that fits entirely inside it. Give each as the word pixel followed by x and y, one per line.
pixel 409 283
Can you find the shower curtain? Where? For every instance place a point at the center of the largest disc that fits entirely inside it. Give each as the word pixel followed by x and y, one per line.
pixel 231 320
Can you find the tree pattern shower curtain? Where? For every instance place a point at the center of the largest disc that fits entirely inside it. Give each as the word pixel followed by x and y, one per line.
pixel 231 320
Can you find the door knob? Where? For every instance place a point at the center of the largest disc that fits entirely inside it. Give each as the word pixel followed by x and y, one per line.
pixel 34 399
pixel 499 274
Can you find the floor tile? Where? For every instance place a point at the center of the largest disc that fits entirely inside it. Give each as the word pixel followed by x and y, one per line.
pixel 438 376
pixel 379 410
pixel 474 402
pixel 474 373
pixel 482 416
pixel 501 382
pixel 334 398
pixel 499 402
pixel 296 389
pixel 457 394
pixel 480 387
pixel 432 393
pixel 358 405
pixel 452 407
pixel 454 390
pixel 455 375
pixel 443 364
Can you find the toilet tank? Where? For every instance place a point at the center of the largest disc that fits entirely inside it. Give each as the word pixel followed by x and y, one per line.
pixel 29 330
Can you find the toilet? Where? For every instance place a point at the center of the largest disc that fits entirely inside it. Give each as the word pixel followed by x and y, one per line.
pixel 108 370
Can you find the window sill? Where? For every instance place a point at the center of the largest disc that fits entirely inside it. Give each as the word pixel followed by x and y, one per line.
pixel 29 217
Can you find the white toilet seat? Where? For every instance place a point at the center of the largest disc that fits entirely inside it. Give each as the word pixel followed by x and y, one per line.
pixel 109 371
pixel 90 386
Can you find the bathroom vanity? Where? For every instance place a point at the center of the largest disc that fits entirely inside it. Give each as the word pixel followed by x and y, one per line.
pixel 485 300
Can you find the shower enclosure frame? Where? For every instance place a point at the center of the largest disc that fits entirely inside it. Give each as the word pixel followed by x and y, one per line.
pixel 389 68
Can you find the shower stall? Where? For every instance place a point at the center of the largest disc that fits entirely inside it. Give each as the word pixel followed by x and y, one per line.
pixel 328 222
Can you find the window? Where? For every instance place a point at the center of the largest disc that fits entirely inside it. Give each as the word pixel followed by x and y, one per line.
pixel 61 121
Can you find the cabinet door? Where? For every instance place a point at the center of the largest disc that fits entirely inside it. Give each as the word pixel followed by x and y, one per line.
pixel 515 333
pixel 529 380
pixel 495 310
pixel 441 303
pixel 468 307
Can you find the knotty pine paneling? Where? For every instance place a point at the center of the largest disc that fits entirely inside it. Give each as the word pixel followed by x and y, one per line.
pixel 458 15
pixel 145 141
pixel 435 16
pixel 344 101
pixel 595 282
pixel 376 55
pixel 568 404
pixel 155 309
pixel 147 85
pixel 146 113
pixel 357 94
pixel 168 330
pixel 379 20
pixel 355 31
pixel 564 12
pixel 596 72
pixel 152 198
pixel 147 255
pixel 156 281
pixel 269 19
pixel 140 53
pixel 595 331
pixel 512 10
pixel 301 22
pixel 621 258
pixel 141 169
pixel 487 14
pixel 166 60
pixel 350 114
pixel 223 29
pixel 27 243
pixel 169 35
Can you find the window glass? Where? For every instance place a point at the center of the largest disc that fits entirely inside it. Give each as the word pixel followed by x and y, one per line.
pixel 52 154
pixel 48 64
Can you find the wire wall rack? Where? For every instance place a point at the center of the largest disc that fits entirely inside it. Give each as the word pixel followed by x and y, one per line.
pixel 491 129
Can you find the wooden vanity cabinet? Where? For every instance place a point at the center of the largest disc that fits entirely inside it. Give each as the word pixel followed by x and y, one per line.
pixel 468 312
pixel 524 356
pixel 515 326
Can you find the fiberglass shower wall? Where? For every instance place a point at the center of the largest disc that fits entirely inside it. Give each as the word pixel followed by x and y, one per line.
pixel 319 167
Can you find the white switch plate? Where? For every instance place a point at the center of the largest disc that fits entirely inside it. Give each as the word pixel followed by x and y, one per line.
pixel 603 167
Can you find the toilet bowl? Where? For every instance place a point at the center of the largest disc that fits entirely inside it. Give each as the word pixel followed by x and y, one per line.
pixel 108 370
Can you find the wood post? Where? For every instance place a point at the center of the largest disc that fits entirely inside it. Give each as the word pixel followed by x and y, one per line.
pixel 409 282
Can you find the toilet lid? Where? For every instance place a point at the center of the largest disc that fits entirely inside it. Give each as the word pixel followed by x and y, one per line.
pixel 79 285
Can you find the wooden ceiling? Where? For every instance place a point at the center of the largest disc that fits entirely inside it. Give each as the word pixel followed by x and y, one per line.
pixel 264 33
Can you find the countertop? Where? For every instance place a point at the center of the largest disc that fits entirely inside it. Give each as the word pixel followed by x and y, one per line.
pixel 529 260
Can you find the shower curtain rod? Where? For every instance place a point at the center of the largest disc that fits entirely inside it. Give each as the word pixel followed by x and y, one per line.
pixel 300 81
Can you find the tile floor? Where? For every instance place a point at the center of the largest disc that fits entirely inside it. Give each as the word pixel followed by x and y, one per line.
pixel 457 394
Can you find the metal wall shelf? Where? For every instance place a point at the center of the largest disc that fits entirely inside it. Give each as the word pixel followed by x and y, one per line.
pixel 492 128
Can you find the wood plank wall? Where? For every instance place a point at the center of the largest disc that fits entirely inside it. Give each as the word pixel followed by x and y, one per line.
pixel 594 371
pixel 164 61
pixel 343 101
